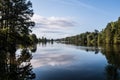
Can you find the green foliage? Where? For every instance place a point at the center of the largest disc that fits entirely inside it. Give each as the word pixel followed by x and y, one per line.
pixel 109 35
pixel 33 38
pixel 15 21
pixel 112 33
pixel 15 16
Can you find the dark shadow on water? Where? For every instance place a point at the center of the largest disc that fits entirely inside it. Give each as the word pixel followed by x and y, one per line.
pixel 15 66
pixel 112 54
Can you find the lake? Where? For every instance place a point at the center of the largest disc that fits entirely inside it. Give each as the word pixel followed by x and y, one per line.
pixel 70 62
pixel 58 61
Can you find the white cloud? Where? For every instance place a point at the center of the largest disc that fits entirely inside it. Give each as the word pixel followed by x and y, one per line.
pixel 52 27
pixel 53 22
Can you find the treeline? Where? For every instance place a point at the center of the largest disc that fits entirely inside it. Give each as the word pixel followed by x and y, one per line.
pixel 45 40
pixel 109 35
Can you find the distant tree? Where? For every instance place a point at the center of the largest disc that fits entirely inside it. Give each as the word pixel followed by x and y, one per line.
pixel 96 31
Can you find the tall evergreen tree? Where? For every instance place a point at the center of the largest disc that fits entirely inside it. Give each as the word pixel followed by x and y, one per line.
pixel 15 16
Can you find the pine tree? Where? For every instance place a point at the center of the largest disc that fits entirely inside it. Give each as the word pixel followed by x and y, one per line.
pixel 15 16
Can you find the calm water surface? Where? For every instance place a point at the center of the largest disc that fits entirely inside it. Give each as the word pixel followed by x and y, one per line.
pixel 69 62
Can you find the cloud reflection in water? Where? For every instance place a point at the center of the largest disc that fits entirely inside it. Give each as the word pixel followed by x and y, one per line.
pixel 52 59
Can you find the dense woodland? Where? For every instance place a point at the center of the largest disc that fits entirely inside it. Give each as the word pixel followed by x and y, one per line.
pixel 109 35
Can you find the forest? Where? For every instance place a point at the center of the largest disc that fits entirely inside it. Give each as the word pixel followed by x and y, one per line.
pixel 109 35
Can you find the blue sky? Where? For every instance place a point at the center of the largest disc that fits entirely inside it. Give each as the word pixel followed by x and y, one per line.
pixel 61 18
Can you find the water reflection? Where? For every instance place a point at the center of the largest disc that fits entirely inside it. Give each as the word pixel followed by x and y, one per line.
pixel 77 62
pixel 95 49
pixel 44 43
pixel 112 54
pixel 16 66
pixel 51 59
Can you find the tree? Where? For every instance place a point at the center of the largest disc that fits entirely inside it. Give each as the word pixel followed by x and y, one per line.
pixel 33 38
pixel 15 17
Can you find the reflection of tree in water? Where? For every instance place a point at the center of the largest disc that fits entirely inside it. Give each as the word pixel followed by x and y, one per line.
pixel 94 49
pixel 112 54
pixel 112 72
pixel 15 67
pixel 88 48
